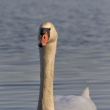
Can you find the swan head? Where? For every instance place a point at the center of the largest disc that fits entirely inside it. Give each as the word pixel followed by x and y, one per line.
pixel 46 34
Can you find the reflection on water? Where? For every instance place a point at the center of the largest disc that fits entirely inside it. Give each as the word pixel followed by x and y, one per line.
pixel 83 56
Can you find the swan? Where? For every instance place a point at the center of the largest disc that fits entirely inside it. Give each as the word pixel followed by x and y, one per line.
pixel 47 41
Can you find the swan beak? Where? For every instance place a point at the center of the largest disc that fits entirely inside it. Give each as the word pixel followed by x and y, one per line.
pixel 43 40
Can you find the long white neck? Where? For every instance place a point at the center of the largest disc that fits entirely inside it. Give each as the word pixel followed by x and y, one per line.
pixel 47 58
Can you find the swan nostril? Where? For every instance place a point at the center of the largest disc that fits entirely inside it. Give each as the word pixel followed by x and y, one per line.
pixel 44 37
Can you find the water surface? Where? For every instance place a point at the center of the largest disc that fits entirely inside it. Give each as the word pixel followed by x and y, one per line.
pixel 83 51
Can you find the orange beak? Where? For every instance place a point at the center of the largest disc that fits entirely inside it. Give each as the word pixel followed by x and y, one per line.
pixel 43 40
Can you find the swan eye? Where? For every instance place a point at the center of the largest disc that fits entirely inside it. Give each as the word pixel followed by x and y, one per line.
pixel 43 31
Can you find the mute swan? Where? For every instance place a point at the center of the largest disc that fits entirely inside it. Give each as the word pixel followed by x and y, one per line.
pixel 47 38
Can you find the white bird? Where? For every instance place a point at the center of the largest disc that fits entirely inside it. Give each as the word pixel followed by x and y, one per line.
pixel 47 38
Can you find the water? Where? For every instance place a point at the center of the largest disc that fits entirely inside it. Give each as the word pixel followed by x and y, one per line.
pixel 83 52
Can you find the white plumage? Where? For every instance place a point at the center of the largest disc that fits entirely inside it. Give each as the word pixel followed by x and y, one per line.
pixel 47 38
pixel 72 102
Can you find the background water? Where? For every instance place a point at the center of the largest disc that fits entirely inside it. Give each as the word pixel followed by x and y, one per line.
pixel 83 51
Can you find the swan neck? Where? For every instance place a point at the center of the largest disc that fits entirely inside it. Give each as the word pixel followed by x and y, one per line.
pixel 47 57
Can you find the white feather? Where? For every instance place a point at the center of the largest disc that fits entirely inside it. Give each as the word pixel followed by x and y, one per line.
pixel 46 99
pixel 72 102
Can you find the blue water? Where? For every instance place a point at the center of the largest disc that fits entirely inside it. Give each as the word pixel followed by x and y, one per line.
pixel 83 51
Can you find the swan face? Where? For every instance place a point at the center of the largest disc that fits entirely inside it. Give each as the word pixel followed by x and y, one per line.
pixel 47 34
